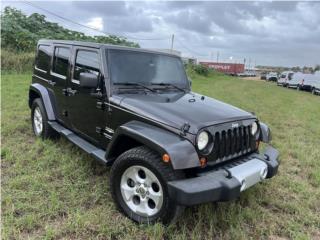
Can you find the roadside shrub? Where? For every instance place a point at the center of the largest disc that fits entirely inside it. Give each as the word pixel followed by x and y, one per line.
pixel 201 69
pixel 12 61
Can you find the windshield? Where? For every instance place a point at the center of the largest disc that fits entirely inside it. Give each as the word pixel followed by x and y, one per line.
pixel 146 68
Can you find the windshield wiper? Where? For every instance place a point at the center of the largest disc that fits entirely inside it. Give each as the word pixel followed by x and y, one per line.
pixel 171 85
pixel 135 84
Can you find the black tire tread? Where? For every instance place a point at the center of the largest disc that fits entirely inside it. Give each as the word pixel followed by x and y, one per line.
pixel 47 132
pixel 152 158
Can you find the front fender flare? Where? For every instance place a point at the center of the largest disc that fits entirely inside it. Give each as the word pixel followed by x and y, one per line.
pixel 265 133
pixel 182 153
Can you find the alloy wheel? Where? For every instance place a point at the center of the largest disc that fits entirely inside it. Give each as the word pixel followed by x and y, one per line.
pixel 141 190
pixel 37 121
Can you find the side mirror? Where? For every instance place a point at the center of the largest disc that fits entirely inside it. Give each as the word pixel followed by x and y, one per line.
pixel 88 80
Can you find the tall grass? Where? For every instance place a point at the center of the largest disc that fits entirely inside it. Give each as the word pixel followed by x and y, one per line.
pixel 53 190
pixel 12 61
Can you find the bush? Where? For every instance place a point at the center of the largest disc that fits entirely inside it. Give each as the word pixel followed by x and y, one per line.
pixel 12 61
pixel 201 69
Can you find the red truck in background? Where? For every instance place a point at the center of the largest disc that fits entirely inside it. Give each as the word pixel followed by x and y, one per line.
pixel 228 68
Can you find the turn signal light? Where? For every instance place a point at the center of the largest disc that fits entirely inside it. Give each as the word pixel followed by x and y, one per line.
pixel 166 158
pixel 203 162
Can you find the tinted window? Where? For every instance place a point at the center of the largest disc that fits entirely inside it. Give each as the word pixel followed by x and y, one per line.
pixel 86 61
pixel 43 58
pixel 61 60
pixel 146 68
pixel 290 76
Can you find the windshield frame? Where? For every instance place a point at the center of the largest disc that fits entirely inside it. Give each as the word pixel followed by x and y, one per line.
pixel 115 87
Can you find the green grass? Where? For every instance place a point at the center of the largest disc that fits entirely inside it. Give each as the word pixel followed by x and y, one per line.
pixel 52 190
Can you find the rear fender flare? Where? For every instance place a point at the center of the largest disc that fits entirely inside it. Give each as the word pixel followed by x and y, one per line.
pixel 182 153
pixel 44 94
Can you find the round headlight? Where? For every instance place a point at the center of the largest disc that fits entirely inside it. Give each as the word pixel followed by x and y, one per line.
pixel 202 140
pixel 254 128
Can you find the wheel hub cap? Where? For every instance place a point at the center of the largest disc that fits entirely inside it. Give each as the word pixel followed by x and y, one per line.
pixel 37 121
pixel 141 190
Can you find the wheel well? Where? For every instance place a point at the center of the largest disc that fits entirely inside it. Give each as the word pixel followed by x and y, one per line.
pixel 32 96
pixel 123 144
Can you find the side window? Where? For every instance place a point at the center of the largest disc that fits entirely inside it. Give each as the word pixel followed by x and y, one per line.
pixel 43 58
pixel 86 61
pixel 61 60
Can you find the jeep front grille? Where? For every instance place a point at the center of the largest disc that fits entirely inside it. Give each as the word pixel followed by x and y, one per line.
pixel 231 143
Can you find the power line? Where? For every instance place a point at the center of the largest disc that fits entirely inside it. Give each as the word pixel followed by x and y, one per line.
pixel 91 28
pixel 191 51
pixel 108 33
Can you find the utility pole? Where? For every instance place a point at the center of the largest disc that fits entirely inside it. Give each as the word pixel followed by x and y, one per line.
pixel 217 56
pixel 172 39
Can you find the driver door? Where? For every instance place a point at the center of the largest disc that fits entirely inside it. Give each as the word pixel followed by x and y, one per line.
pixel 86 119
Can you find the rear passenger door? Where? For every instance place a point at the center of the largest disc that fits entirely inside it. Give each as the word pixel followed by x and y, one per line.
pixel 60 75
pixel 86 119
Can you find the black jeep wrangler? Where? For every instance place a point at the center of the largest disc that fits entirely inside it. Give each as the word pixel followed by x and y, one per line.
pixel 134 109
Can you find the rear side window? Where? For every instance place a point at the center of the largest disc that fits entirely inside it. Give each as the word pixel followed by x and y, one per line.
pixel 43 58
pixel 86 61
pixel 61 60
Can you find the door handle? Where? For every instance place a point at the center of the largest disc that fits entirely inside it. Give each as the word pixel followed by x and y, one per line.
pixel 69 91
pixel 96 94
pixel 65 91
pixel 52 82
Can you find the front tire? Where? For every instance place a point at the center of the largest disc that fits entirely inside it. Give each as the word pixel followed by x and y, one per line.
pixel 138 184
pixel 39 120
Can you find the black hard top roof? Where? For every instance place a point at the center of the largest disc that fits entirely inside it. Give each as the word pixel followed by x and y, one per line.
pixel 102 45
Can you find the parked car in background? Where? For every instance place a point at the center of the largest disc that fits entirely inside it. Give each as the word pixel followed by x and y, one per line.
pixel 247 73
pixel 243 74
pixel 285 77
pixel 272 76
pixel 263 76
pixel 250 73
pixel 316 83
pixel 301 81
pixel 315 88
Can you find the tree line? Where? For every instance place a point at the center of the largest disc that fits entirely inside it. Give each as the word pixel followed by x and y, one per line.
pixel 21 33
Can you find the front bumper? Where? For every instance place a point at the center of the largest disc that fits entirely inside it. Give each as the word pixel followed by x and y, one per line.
pixel 225 183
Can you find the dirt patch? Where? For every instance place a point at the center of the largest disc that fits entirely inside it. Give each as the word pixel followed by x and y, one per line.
pixel 252 78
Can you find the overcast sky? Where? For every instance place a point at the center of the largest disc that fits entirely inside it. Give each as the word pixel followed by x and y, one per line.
pixel 266 33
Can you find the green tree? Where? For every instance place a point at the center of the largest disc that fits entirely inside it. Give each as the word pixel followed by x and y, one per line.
pixel 21 33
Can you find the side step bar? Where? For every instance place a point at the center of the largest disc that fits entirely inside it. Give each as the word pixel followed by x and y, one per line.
pixel 95 152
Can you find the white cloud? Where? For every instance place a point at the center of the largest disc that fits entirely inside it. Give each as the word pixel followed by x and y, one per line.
pixel 96 23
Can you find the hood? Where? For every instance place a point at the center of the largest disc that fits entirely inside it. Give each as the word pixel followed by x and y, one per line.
pixel 177 109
